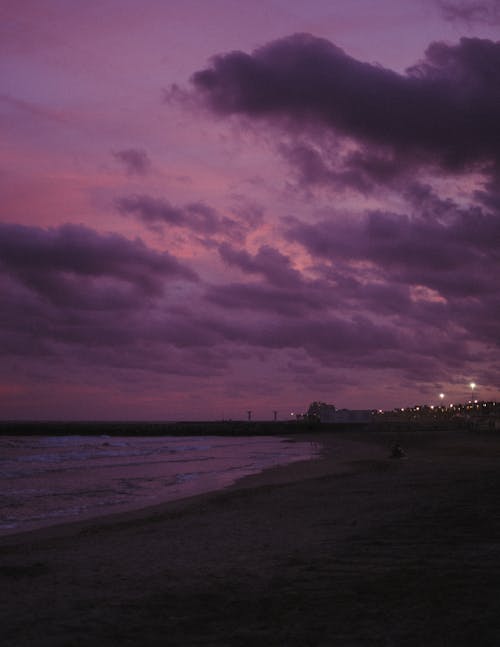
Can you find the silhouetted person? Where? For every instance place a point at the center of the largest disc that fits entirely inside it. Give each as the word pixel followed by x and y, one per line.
pixel 397 451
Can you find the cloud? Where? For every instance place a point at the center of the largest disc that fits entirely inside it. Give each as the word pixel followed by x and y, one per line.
pixel 471 11
pixel 74 294
pixel 433 269
pixel 135 161
pixel 444 109
pixel 157 213
pixel 54 261
pixel 350 337
pixel 152 211
pixel 456 258
pixel 315 166
pixel 85 299
pixel 269 262
pixel 256 298
pixel 349 340
pixel 76 298
pixel 317 163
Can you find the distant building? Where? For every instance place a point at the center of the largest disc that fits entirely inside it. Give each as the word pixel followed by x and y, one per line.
pixel 321 412
pixel 328 413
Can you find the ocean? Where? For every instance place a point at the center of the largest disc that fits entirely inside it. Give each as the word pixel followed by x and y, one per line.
pixel 49 480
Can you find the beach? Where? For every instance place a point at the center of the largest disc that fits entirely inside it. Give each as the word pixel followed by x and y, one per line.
pixel 353 548
pixel 47 480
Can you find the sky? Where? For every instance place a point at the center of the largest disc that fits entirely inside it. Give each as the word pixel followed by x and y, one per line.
pixel 215 207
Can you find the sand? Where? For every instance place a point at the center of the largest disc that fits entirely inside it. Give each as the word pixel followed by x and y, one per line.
pixel 353 549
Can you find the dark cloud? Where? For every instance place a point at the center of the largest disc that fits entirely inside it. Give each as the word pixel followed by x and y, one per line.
pixel 77 297
pixel 156 213
pixel 353 341
pixel 456 258
pixel 350 336
pixel 434 269
pixel 376 166
pixel 360 170
pixel 71 292
pixel 82 298
pixel 274 266
pixel 445 108
pixel 136 161
pixel 471 11
pixel 327 319
pixel 54 261
pixel 74 298
pixel 314 166
pixel 257 298
pixel 152 211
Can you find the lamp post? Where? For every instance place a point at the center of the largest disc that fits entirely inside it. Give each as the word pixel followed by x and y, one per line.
pixel 472 387
pixel 441 397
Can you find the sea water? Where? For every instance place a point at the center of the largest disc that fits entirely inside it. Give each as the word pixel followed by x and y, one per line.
pixel 48 480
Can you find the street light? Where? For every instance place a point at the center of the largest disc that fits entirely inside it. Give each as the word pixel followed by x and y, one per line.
pixel 472 387
pixel 441 397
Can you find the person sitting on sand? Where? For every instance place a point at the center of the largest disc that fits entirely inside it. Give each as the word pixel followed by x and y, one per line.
pixel 397 451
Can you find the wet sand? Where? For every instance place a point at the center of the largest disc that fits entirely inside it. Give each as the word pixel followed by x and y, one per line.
pixel 352 549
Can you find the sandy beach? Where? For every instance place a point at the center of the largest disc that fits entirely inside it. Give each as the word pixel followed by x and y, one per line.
pixel 354 548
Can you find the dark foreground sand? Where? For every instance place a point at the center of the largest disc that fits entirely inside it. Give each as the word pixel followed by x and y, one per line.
pixel 353 549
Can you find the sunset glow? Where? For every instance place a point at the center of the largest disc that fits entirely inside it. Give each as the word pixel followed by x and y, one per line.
pixel 209 208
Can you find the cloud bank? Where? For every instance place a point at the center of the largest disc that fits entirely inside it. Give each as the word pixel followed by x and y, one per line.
pixel 443 109
pixel 320 227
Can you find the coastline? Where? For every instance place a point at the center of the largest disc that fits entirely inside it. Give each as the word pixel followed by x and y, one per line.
pixel 332 458
pixel 50 480
pixel 350 549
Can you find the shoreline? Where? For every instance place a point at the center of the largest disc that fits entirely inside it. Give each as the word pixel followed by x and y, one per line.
pixel 132 510
pixel 331 459
pixel 339 453
pixel 352 549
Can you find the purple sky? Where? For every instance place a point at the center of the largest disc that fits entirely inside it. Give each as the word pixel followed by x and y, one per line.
pixel 210 207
